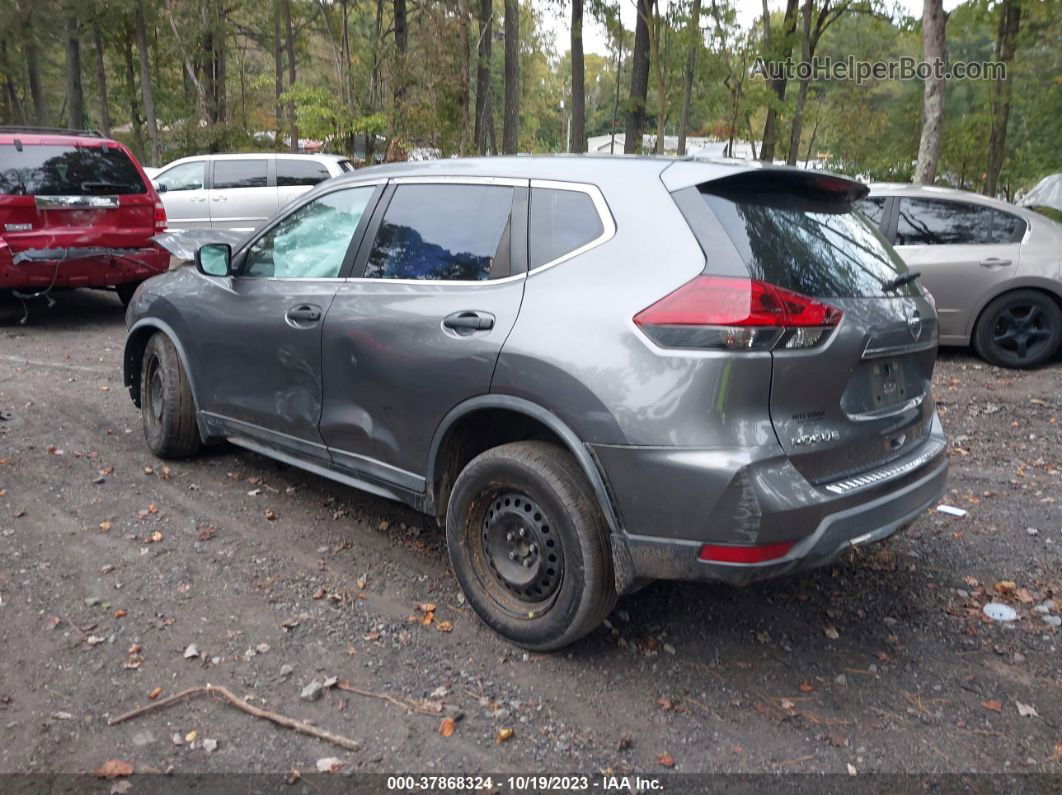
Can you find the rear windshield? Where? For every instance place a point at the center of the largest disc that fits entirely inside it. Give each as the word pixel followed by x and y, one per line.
pixel 67 171
pixel 815 246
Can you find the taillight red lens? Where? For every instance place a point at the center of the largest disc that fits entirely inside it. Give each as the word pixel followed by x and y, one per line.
pixel 720 553
pixel 160 216
pixel 733 312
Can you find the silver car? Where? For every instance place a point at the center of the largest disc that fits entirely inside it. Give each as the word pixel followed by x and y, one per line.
pixel 993 268
pixel 593 372
pixel 239 191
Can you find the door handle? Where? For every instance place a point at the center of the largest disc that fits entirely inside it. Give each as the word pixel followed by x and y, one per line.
pixel 467 322
pixel 219 198
pixel 994 262
pixel 198 199
pixel 304 313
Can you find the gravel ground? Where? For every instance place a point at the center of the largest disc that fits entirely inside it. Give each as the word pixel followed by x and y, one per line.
pixel 122 580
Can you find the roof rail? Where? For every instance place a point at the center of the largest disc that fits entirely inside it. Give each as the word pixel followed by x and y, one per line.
pixel 15 129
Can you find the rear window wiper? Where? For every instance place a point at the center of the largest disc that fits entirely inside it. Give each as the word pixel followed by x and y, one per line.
pixel 900 281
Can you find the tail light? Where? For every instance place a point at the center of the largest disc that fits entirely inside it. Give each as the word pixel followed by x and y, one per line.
pixel 726 313
pixel 160 216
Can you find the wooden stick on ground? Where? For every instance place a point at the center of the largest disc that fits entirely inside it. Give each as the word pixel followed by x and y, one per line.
pixel 409 704
pixel 226 695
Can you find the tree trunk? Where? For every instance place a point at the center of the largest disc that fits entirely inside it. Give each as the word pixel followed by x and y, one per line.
pixel 777 50
pixel 206 53
pixel 639 80
pixel 616 99
pixel 656 33
pixel 463 99
pixel 131 91
pixel 691 65
pixel 289 37
pixel 75 97
pixel 1009 19
pixel 101 78
pixel 484 113
pixel 578 132
pixel 33 66
pixel 145 84
pixel 933 22
pixel 16 112
pixel 220 65
pixel 374 80
pixel 401 48
pixel 802 93
pixel 511 123
pixel 278 74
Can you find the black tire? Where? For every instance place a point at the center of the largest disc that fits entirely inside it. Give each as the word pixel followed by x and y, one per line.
pixel 1022 328
pixel 530 499
pixel 125 291
pixel 166 404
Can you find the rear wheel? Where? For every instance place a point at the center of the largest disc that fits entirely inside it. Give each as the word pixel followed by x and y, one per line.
pixel 529 546
pixel 166 404
pixel 1019 329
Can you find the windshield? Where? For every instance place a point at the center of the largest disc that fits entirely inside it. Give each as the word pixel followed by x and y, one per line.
pixel 67 171
pixel 818 247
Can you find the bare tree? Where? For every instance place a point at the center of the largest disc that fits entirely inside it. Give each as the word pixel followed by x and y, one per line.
pixel 578 130
pixel 463 99
pixel 636 116
pixel 101 77
pixel 146 96
pixel 694 44
pixel 933 22
pixel 484 125
pixel 278 71
pixel 401 48
pixel 75 96
pixel 289 39
pixel 1009 20
pixel 33 60
pixel 511 122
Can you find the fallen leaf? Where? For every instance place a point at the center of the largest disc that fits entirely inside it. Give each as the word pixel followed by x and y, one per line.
pixel 294 775
pixel 995 706
pixel 625 742
pixel 135 648
pixel 665 760
pixel 1024 596
pixel 361 582
pixel 114 768
pixel 207 533
pixel 166 473
pixel 427 618
pixel 807 687
pixel 153 508
pixel 504 734
pixel 155 693
pixel 1005 586
pixel 191 736
pixel 156 537
pixel 831 633
pixel 1026 710
pixel 788 705
pixel 447 727
pixel 444 626
pixel 120 613
pixel 319 593
pixel 105 525
pixel 271 515
pixel 851 769
pixel 108 568
pixel 426 607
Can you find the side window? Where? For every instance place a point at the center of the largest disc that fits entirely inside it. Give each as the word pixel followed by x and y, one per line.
pixel 561 221
pixel 300 172
pixel 873 207
pixel 930 222
pixel 1006 228
pixel 443 232
pixel 187 176
pixel 240 173
pixel 312 242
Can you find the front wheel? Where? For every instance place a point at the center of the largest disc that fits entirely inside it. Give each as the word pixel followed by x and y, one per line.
pixel 166 404
pixel 1019 329
pixel 529 546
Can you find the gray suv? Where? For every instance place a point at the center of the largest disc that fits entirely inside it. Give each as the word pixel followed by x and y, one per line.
pixel 594 372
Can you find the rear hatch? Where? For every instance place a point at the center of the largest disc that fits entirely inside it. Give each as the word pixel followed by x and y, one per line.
pixel 856 394
pixel 61 195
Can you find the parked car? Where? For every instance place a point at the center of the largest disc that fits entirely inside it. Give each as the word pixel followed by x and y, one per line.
pixel 595 372
pixel 994 269
pixel 239 191
pixel 76 210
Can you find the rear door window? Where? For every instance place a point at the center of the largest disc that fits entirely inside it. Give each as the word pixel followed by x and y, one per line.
pixel 814 246
pixel 873 207
pixel 67 171
pixel 561 222
pixel 300 172
pixel 240 174
pixel 936 222
pixel 443 233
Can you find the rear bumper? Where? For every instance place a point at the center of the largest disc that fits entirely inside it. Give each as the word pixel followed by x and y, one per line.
pixel 87 267
pixel 770 504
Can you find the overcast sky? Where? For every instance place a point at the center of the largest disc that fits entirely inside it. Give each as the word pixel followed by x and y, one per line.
pixel 595 39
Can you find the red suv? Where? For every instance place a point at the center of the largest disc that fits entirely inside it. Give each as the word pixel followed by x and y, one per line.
pixel 76 210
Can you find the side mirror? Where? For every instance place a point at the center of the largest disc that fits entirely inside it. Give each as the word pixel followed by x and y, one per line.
pixel 158 186
pixel 214 259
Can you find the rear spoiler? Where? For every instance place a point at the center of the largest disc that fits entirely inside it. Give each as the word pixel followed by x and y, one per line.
pixel 755 176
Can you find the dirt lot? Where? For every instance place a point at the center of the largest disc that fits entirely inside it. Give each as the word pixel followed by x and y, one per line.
pixel 112 566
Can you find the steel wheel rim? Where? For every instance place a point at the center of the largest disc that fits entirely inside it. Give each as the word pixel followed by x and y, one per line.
pixel 155 390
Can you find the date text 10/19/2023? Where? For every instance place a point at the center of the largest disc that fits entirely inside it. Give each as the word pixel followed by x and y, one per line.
pixel 524 783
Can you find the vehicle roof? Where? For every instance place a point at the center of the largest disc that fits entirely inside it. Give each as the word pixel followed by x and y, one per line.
pixel 255 156
pixel 674 172
pixel 936 192
pixel 55 139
